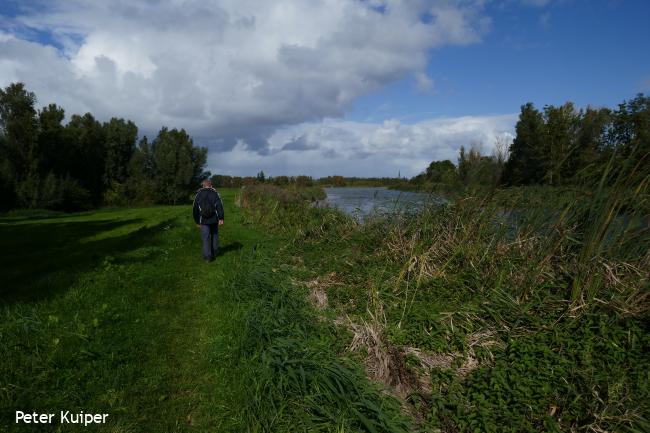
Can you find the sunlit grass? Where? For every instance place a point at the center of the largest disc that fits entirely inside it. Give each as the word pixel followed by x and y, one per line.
pixel 115 312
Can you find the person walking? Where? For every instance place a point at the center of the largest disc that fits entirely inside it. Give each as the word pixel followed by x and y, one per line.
pixel 208 216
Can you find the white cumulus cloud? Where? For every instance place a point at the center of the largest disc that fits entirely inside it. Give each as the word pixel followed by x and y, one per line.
pixel 228 71
pixel 340 147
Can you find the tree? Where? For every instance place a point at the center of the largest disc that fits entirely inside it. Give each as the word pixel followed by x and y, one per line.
pixel 304 181
pixel 629 138
pixel 19 133
pixel 500 156
pixel 441 172
pixel 475 169
pixel 525 164
pixel 260 177
pixel 560 151
pixel 141 183
pixel 281 180
pixel 591 142
pixel 87 164
pixel 338 181
pixel 55 150
pixel 199 159
pixel 463 166
pixel 120 136
pixel 177 164
pixel 7 182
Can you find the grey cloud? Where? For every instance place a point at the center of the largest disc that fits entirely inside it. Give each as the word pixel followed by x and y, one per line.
pixel 299 143
pixel 330 154
pixel 236 71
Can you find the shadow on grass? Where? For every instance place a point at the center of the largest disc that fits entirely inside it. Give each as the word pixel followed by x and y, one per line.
pixel 38 261
pixel 233 246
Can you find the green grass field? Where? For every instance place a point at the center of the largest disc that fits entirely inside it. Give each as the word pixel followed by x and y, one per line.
pixel 116 312
pixel 311 322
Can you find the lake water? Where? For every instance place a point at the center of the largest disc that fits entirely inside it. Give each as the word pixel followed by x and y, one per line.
pixel 365 201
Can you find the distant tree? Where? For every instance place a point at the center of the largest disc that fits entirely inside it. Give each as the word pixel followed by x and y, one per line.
pixel 84 163
pixel 525 165
pixel 224 181
pixel 121 139
pixel 87 139
pixel 338 181
pixel 500 156
pixel 7 181
pixel 475 169
pixel 560 153
pixel 55 150
pixel 629 138
pixel 177 164
pixel 147 165
pixel 260 177
pixel 63 193
pixel 19 134
pixel 418 179
pixel 199 159
pixel 141 183
pixel 304 181
pixel 221 181
pixel 441 172
pixel 58 189
pixel 281 180
pixel 462 164
pixel 591 142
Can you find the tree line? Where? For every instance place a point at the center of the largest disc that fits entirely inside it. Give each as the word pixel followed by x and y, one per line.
pixel 225 181
pixel 558 146
pixel 85 163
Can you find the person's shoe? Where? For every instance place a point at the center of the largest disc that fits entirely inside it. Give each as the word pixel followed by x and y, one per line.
pixel 211 259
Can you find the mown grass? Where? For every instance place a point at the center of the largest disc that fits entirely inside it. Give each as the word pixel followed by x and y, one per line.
pixel 491 318
pixel 109 313
pixel 115 312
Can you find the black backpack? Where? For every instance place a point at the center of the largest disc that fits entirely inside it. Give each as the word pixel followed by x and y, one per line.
pixel 206 206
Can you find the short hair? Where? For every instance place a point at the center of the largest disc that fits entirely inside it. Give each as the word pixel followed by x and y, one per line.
pixel 206 182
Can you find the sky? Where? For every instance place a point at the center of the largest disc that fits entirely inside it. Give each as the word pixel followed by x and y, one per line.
pixel 326 87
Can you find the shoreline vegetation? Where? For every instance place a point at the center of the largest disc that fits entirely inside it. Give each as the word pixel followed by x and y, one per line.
pixel 474 323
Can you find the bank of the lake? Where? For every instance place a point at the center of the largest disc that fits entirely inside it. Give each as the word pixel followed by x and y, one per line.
pixel 479 328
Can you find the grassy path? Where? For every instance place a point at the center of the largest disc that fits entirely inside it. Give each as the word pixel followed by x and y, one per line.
pixel 115 312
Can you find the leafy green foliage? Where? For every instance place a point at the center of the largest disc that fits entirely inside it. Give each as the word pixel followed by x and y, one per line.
pixel 531 302
pixel 577 374
pixel 121 136
pixel 174 156
pixel 45 164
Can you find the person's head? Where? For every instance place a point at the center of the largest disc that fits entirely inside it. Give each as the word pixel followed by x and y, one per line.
pixel 207 183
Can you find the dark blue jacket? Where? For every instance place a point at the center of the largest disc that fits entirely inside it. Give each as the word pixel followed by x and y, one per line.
pixel 211 197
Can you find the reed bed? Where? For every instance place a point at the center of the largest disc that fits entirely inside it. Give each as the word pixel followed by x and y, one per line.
pixel 491 314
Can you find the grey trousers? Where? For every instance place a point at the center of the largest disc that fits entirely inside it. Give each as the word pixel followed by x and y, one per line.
pixel 210 238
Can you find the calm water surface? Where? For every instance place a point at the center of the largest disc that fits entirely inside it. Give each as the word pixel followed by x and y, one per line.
pixel 365 201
